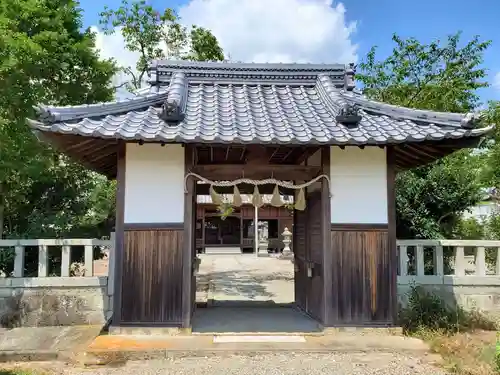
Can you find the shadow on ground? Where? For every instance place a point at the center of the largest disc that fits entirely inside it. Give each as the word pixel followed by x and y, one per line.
pixel 254 319
pixel 245 284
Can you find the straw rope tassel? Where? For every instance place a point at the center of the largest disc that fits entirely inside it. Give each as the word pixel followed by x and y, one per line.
pixel 237 201
pixel 256 198
pixel 276 198
pixel 216 199
pixel 300 203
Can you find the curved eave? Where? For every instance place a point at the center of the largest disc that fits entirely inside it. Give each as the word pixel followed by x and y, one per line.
pixel 100 153
pixel 97 154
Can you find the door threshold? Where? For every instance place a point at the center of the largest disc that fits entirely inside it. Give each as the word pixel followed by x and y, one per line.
pixel 257 334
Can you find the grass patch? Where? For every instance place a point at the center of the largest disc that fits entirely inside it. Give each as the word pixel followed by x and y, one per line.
pixel 465 339
pixel 18 372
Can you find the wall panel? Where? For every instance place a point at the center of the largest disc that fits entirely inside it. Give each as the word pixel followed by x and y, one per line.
pixel 152 277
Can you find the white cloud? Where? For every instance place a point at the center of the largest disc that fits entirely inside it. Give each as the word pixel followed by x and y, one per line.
pixel 263 31
pixel 276 30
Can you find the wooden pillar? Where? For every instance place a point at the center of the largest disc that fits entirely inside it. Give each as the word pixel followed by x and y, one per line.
pixel 256 231
pixel 119 234
pixel 188 301
pixel 327 269
pixel 203 229
pixel 392 248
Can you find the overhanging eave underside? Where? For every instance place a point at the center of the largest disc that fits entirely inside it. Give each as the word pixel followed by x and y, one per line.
pixel 97 154
pixel 100 154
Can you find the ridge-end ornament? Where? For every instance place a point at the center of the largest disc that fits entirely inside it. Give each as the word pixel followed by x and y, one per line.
pixel 349 115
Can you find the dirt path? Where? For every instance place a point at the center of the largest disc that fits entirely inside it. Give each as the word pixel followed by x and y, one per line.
pixel 374 363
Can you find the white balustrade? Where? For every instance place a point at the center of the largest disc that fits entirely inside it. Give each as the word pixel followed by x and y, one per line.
pixel 43 245
pixel 462 267
pixel 481 267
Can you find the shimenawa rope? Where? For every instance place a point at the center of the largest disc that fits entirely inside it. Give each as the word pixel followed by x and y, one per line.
pixel 270 181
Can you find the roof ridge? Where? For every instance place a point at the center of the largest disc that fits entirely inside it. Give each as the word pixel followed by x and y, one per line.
pixel 449 119
pixel 161 72
pixel 52 114
pixel 219 65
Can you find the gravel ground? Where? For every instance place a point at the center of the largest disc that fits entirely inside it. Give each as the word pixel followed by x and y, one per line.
pixel 272 364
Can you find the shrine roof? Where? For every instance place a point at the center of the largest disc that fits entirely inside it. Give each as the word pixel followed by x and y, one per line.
pixel 233 103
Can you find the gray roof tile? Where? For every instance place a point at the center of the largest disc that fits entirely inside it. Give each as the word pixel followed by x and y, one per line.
pixel 252 103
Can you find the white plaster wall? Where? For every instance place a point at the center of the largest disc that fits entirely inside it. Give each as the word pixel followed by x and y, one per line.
pixel 154 183
pixel 358 185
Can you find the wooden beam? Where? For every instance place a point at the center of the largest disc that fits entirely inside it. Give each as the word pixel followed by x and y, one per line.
pixel 276 149
pixel 262 171
pixel 309 151
pixel 288 154
pixel 414 159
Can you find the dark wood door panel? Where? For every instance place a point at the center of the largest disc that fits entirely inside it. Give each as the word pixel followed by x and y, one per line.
pixel 152 277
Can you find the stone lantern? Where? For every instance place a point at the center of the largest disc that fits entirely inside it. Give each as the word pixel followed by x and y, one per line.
pixel 263 246
pixel 287 240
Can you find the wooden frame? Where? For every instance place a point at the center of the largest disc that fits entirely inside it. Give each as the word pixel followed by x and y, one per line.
pixel 322 300
pixel 119 233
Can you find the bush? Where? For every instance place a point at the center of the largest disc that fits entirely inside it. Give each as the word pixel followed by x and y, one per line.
pixel 497 354
pixel 470 229
pixel 426 311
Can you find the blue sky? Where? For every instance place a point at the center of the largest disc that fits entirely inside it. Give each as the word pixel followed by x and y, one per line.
pixel 245 31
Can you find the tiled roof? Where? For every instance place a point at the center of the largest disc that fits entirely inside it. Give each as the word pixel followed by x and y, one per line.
pixel 254 103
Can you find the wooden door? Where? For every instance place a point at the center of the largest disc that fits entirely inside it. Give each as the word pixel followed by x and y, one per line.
pixel 299 241
pixel 314 256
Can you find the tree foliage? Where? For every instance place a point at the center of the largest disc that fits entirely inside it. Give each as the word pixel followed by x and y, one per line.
pixel 491 166
pixel 157 35
pixel 441 77
pixel 436 76
pixel 44 57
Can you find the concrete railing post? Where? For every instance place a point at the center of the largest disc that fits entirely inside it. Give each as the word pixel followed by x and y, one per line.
pixel 438 260
pixel 43 261
pixel 497 265
pixel 403 260
pixel 459 261
pixel 65 260
pixel 419 254
pixel 19 261
pixel 89 260
pixel 480 261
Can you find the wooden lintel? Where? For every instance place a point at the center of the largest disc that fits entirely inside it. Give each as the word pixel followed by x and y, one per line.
pixel 234 171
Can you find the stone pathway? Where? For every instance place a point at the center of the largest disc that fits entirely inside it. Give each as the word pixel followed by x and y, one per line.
pixel 244 278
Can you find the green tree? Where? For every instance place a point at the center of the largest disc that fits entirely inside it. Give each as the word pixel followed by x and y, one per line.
pixel 44 57
pixel 491 149
pixel 442 77
pixel 157 35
